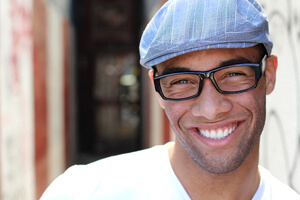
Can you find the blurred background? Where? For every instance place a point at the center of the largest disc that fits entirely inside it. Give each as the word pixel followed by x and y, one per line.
pixel 72 90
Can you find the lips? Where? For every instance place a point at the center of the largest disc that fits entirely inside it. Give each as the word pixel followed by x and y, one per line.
pixel 218 133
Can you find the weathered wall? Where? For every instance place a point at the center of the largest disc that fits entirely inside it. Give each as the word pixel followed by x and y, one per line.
pixel 33 95
pixel 16 101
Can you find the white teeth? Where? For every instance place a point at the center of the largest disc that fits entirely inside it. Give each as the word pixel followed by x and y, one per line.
pixel 226 132
pixel 213 134
pixel 220 134
pixel 206 133
pixel 217 134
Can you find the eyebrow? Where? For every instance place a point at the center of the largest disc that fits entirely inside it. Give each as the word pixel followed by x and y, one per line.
pixel 240 60
pixel 174 69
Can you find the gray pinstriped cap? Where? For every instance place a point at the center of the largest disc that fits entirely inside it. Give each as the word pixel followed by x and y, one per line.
pixel 183 26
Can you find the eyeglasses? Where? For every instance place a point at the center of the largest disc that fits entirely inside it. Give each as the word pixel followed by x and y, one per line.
pixel 231 79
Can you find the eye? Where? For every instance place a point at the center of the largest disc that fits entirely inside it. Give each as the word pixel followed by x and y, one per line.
pixel 180 80
pixel 184 81
pixel 232 74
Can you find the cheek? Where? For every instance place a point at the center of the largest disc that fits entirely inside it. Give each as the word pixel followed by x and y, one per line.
pixel 175 111
pixel 261 112
pixel 257 98
pixel 260 97
pixel 256 104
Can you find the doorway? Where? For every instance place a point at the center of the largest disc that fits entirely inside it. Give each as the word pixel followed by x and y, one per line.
pixel 108 78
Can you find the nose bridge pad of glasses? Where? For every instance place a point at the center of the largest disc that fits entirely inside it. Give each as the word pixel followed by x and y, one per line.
pixel 210 76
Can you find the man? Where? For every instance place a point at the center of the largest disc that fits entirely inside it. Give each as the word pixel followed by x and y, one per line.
pixel 211 65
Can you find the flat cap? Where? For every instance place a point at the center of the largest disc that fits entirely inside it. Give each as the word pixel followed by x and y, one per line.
pixel 183 26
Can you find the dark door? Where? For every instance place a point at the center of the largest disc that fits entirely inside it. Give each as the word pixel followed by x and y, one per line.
pixel 108 96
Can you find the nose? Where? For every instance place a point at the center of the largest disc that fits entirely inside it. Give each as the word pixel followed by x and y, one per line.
pixel 210 104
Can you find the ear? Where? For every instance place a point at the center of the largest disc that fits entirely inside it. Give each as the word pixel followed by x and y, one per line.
pixel 271 63
pixel 160 100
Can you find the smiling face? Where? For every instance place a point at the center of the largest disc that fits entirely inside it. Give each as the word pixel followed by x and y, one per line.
pixel 218 131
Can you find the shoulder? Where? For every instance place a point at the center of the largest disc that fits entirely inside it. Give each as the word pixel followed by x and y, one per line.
pixel 111 176
pixel 272 188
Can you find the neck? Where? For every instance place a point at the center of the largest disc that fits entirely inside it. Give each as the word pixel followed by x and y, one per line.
pixel 241 183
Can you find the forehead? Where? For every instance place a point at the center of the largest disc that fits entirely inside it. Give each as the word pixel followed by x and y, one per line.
pixel 204 60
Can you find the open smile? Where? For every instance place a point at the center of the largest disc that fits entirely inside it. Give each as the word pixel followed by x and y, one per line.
pixel 218 133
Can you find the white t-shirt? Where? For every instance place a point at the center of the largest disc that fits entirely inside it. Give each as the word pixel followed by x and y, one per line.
pixel 141 175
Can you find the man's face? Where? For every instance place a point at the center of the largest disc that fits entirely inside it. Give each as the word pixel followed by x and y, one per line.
pixel 239 118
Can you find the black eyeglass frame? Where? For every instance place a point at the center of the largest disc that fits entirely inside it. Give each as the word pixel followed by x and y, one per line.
pixel 259 70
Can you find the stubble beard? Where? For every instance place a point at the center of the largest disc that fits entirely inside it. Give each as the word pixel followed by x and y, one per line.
pixel 225 163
